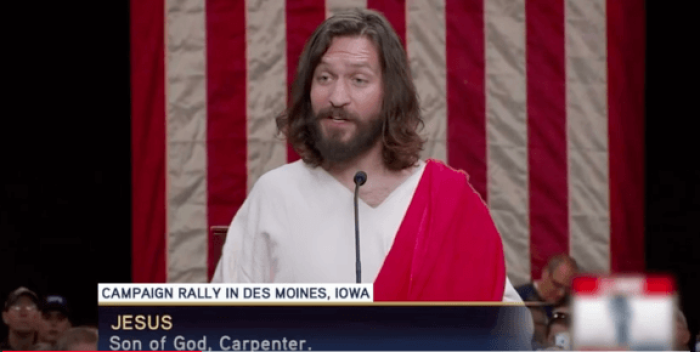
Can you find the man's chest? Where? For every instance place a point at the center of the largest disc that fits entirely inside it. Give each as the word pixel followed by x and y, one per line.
pixel 375 197
pixel 321 247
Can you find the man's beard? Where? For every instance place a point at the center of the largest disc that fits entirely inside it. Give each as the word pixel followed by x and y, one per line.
pixel 335 151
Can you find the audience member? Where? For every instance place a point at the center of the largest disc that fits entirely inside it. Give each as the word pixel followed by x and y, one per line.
pixel 551 289
pixel 20 315
pixel 82 338
pixel 554 283
pixel 53 322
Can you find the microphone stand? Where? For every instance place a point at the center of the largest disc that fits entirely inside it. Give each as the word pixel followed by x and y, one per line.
pixel 360 179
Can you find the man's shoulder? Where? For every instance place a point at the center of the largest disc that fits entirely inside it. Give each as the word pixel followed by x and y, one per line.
pixel 283 178
pixel 444 172
pixel 527 291
pixel 527 286
pixel 442 166
pixel 282 175
pixel 456 180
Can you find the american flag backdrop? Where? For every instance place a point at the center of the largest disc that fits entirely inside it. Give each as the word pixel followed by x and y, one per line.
pixel 540 101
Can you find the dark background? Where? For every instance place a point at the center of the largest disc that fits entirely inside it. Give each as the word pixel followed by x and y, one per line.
pixel 65 133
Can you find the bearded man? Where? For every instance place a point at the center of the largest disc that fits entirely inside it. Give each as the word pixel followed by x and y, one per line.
pixel 425 234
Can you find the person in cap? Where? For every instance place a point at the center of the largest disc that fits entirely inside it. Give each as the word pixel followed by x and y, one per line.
pixel 53 322
pixel 20 315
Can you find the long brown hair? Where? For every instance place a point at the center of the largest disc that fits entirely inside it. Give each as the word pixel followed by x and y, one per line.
pixel 400 108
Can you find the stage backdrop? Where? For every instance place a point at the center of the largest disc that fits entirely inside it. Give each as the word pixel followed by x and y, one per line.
pixel 541 102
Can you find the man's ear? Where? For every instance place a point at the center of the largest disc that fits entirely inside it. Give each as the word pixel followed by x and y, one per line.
pixel 4 317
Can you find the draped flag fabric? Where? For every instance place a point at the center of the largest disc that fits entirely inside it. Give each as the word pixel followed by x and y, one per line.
pixel 540 102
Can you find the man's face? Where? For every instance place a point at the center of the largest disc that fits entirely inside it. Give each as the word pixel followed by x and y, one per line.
pixel 346 99
pixel 21 316
pixel 558 282
pixel 51 325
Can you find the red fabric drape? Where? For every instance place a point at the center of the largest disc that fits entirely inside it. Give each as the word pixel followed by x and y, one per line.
pixel 447 247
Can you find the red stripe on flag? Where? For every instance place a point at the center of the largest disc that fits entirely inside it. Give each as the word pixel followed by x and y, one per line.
pixel 148 141
pixel 546 108
pixel 625 37
pixel 466 97
pixel 227 152
pixel 303 16
pixel 395 13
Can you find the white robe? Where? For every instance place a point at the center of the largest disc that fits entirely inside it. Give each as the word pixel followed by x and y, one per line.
pixel 298 226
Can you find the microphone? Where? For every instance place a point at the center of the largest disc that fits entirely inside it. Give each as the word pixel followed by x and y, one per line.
pixel 360 179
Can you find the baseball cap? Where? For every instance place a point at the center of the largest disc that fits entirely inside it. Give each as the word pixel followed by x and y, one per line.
pixel 14 296
pixel 55 302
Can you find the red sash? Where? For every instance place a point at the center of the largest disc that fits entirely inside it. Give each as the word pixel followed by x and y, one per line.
pixel 447 247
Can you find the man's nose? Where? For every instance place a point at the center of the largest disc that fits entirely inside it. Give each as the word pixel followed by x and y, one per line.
pixel 339 95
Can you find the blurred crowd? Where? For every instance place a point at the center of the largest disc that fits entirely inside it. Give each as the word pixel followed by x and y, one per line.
pixel 43 324
pixel 549 303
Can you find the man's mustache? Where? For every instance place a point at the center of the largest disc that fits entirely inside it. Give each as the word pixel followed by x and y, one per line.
pixel 340 113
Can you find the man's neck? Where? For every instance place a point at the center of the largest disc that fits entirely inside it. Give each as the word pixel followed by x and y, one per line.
pixel 21 341
pixel 380 180
pixel 371 163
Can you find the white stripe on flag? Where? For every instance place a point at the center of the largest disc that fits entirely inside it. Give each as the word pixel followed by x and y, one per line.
pixel 587 116
pixel 267 85
pixel 506 125
pixel 333 6
pixel 426 46
pixel 186 133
